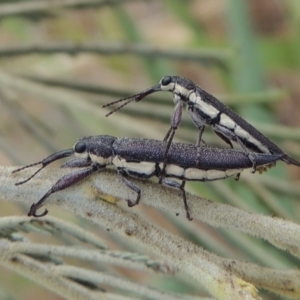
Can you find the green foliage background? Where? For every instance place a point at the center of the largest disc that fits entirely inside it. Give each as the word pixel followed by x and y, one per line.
pixel 247 53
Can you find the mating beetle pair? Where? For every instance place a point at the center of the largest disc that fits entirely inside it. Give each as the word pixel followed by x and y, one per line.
pixel 144 159
pixel 205 110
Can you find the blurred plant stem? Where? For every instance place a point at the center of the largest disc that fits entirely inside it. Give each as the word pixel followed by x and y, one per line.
pixel 207 56
pixel 29 7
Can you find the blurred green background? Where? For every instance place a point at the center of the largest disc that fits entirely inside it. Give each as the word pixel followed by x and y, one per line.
pixel 60 61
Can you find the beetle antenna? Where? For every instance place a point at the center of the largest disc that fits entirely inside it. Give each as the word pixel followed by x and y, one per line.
pixel 24 181
pixel 118 101
pixel 28 166
pixel 137 97
pixel 48 160
pixel 119 107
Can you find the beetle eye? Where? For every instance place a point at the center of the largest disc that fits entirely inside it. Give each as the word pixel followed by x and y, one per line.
pixel 80 147
pixel 166 80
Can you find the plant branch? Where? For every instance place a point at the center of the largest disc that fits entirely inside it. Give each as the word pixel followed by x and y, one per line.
pixel 213 56
pixel 41 273
pixel 83 199
pixel 127 260
pixel 281 233
pixel 30 7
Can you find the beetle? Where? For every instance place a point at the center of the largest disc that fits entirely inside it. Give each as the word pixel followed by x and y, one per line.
pixel 206 110
pixel 143 159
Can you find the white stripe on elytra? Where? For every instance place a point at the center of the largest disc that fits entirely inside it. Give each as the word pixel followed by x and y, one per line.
pixel 207 109
pixel 143 168
pixel 227 122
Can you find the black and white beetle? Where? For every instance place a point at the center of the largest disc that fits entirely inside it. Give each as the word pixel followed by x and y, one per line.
pixel 141 158
pixel 206 110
